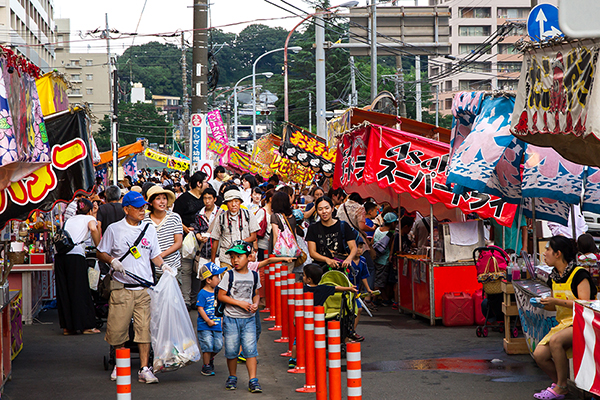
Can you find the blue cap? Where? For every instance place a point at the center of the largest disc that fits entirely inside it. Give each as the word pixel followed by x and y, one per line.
pixel 390 217
pixel 133 199
pixel 210 269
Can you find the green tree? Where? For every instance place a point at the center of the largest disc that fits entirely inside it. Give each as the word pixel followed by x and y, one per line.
pixel 134 120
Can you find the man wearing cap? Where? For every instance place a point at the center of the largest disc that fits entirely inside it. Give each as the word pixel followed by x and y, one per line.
pixel 128 298
pixel 234 224
pixel 382 242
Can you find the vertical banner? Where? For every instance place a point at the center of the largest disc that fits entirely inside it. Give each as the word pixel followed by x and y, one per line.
pixel 217 128
pixel 199 141
pixel 130 168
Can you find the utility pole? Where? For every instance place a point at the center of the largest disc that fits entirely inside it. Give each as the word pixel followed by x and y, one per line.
pixel 310 111
pixel 186 108
pixel 200 68
pixel 373 49
pixel 320 76
pixel 400 87
pixel 114 143
pixel 419 107
pixel 353 95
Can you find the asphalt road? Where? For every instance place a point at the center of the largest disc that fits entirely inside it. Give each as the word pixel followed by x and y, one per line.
pixel 403 358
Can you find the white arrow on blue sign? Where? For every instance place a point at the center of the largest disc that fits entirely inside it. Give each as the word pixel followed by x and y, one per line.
pixel 542 22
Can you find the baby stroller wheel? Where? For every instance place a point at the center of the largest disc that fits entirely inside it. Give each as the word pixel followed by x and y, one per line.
pixel 514 332
pixel 501 329
pixel 105 363
pixel 485 331
pixel 478 331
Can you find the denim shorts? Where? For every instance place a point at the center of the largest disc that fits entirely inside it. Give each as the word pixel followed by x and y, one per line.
pixel 240 332
pixel 210 341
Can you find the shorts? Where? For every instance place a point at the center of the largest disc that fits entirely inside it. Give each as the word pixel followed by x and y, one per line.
pixel 240 332
pixel 122 306
pixel 381 275
pixel 210 341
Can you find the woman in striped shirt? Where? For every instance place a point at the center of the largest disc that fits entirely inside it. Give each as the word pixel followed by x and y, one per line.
pixel 167 223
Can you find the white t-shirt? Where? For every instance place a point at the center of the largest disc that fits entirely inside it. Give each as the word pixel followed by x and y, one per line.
pixel 117 239
pixel 77 226
pixel 240 290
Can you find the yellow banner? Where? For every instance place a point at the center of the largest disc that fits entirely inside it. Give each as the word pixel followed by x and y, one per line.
pixel 156 156
pixel 178 164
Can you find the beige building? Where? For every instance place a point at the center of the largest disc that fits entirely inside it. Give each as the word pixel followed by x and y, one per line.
pixel 88 73
pixel 28 26
pixel 471 24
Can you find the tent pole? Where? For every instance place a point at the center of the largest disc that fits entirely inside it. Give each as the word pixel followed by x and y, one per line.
pixel 573 226
pixel 535 244
pixel 399 251
pixel 431 288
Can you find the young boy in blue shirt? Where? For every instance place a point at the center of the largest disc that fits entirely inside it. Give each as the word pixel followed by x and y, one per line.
pixel 239 322
pixel 358 275
pixel 210 329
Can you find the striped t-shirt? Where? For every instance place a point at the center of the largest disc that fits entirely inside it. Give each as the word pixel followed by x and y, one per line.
pixel 166 231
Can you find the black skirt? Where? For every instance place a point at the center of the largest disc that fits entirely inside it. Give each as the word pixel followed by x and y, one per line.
pixel 73 297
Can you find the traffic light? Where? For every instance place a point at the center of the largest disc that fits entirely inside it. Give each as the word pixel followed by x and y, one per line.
pixel 263 112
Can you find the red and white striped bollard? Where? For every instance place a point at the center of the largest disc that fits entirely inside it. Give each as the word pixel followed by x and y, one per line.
pixel 353 371
pixel 123 374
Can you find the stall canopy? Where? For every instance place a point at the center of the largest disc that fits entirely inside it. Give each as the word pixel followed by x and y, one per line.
pixel 405 169
pixel 124 151
pixel 557 101
pixel 485 157
pixel 356 116
pixel 70 170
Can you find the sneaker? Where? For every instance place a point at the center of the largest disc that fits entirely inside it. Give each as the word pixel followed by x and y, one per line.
pixel 241 359
pixel 113 374
pixel 291 363
pixel 207 370
pixel 231 383
pixel 254 386
pixel 212 363
pixel 145 375
pixel 356 337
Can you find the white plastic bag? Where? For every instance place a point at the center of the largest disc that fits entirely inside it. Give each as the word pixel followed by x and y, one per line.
pixel 173 336
pixel 94 276
pixel 189 247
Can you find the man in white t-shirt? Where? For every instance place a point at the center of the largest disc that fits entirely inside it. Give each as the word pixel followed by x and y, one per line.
pixel 132 299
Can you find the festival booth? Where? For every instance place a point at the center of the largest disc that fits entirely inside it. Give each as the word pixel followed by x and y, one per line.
pixel 408 170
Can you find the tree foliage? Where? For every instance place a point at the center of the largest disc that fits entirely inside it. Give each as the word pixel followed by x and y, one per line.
pixel 134 120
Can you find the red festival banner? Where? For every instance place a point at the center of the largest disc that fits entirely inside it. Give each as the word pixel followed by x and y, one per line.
pixel 404 169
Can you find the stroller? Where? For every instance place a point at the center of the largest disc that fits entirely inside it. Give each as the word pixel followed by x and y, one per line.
pixel 341 306
pixel 100 304
pixel 482 257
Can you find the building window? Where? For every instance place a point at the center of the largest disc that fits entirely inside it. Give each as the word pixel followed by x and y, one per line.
pixel 507 49
pixel 475 12
pixel 474 31
pixel 89 63
pixel 435 71
pixel 507 66
pixel 448 86
pixel 469 48
pixel 513 13
pixel 91 105
pixel 75 77
pixel 89 91
pixel 475 85
pixel 479 67
pixel 508 84
pixel 74 63
pixel 76 91
pixel 89 77
pixel 448 104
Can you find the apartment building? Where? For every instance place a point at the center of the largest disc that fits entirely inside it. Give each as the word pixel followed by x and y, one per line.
pixel 471 24
pixel 28 27
pixel 88 73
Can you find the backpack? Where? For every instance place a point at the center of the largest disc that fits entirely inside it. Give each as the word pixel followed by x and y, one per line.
pixel 220 306
pixel 62 242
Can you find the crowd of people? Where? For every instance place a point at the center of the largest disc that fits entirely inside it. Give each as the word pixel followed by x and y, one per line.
pixel 140 227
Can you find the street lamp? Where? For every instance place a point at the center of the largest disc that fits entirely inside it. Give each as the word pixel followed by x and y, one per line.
pixel 348 4
pixel 268 75
pixel 295 49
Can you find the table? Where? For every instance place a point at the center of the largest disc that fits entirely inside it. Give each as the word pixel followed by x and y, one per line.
pixel 422 283
pixel 28 279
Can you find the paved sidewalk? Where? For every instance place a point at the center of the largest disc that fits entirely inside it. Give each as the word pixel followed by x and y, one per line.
pixel 402 358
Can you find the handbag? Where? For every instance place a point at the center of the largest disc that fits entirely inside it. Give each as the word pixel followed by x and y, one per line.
pixel 286 245
pixel 62 242
pixel 263 226
pixel 491 281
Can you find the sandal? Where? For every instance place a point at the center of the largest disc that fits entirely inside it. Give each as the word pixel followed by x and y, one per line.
pixel 91 331
pixel 549 394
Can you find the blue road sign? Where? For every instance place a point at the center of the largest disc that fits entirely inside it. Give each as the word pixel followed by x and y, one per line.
pixel 542 22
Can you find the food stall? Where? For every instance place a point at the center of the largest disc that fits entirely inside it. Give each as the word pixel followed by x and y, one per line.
pixel 408 170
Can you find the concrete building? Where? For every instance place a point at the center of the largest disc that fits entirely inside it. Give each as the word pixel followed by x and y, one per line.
pixel 471 24
pixel 88 73
pixel 28 26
